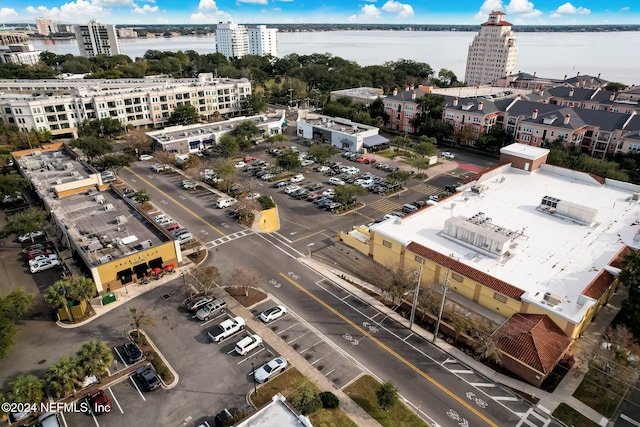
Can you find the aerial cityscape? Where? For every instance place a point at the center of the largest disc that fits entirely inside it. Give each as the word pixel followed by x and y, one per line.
pixel 237 226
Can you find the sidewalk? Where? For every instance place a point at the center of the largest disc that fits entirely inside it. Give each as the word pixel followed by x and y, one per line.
pixel 548 401
pixel 445 165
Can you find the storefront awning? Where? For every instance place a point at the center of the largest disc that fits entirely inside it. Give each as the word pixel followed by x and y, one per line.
pixel 372 141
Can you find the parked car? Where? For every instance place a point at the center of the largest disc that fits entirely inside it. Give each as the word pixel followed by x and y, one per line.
pixel 159 167
pixel 239 165
pixel 42 258
pixel 189 185
pixel 146 157
pixel 253 195
pixel 148 377
pixel 39 252
pixel 132 351
pixel 31 236
pixel 297 178
pixel 270 369
pixel 226 202
pixel 98 402
pixel 323 169
pixel 212 308
pixel 329 193
pixel 196 303
pixel 306 162
pixel 184 238
pixel 248 159
pixel 315 186
pixel 273 313
pixel 172 226
pixel 366 160
pixel 336 181
pixel 280 184
pixel 290 189
pixel 44 265
pixel 246 344
pixel 448 155
pixel 50 419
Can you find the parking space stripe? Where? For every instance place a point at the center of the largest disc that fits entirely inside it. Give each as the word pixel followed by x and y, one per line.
pixel 136 386
pixel 252 355
pixel 64 421
pixel 95 420
pixel 113 396
pixel 298 337
pixel 285 329
pixel 317 360
pixel 461 371
pixel 311 346
pixel 120 356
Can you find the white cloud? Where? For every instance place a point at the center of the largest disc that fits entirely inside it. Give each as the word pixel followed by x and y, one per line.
pixel 112 3
pixel 207 12
pixel 7 12
pixel 625 9
pixel 487 7
pixel 370 11
pixel 265 2
pixel 285 1
pixel 198 18
pixel 523 8
pixel 145 9
pixel 352 18
pixel 569 9
pixel 80 10
pixel 403 10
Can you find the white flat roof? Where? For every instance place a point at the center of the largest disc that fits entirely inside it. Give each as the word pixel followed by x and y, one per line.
pixel 549 253
pixel 524 151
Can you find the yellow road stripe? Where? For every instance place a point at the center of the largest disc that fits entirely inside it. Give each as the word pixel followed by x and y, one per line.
pixel 307 236
pixel 392 352
pixel 177 203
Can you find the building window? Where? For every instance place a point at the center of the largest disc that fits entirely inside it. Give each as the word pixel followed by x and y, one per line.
pixel 499 297
pixel 386 244
pixel 419 259
pixel 457 277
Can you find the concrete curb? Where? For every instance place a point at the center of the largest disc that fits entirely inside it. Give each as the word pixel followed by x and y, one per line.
pixel 176 377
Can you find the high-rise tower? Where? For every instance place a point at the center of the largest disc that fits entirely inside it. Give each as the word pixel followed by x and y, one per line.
pixel 97 39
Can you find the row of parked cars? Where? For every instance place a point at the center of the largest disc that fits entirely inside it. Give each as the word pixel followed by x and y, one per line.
pixel 42 256
pixel 182 235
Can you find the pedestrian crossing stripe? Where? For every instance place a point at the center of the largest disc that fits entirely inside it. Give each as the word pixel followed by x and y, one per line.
pixel 385 205
pixel 228 238
pixel 430 190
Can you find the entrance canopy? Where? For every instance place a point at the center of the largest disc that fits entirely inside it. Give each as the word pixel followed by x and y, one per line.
pixel 374 140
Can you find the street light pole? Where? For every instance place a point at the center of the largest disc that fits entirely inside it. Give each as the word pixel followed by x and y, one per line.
pixel 253 374
pixel 415 294
pixel 444 295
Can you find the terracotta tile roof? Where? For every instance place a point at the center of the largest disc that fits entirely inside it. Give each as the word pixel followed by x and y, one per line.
pixel 478 175
pixel 619 258
pixel 533 339
pixel 467 271
pixel 599 285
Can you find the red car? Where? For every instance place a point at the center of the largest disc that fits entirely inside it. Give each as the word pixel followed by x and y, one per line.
pixel 366 160
pixel 173 226
pixel 99 402
pixel 248 159
pixel 33 254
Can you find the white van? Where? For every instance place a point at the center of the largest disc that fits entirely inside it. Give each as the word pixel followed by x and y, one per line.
pixel 225 203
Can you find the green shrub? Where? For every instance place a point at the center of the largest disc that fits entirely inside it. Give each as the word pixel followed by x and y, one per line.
pixel 160 367
pixel 329 400
pixel 266 202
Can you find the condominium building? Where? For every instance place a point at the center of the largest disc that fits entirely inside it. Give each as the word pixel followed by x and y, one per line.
pixel 19 54
pixel 492 54
pixel 127 33
pixel 232 40
pixel 263 41
pixel 13 37
pixel 45 26
pixel 97 39
pixel 59 106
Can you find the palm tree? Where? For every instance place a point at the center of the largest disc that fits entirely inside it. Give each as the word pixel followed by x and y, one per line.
pixel 490 350
pixel 62 376
pixel 27 389
pixel 94 357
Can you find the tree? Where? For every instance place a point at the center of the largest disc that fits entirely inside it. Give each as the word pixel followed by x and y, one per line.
pixel 15 304
pixel 94 358
pixel 205 278
pixel 183 115
pixel 25 222
pixel 348 194
pixel 245 277
pixel 142 196
pixel 402 140
pixel 467 135
pixel 73 288
pixel 140 317
pixel 165 157
pixel 305 397
pixel 223 168
pixel 322 152
pixel 615 86
pixel 8 333
pixel 114 162
pixel 61 377
pixel 399 176
pixel 630 277
pixel 387 395
pixel 245 132
pixel 426 146
pixel 106 128
pixel 288 159
pixel 27 389
pixel 10 184
pixel 92 147
pixel 489 350
pixel 137 142
pixel 227 146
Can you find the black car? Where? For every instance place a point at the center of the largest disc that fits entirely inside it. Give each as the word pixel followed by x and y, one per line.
pixel 280 184
pixel 148 377
pixel 132 351
pixel 39 247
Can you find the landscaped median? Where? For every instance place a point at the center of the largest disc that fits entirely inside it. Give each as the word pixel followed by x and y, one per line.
pixel 168 376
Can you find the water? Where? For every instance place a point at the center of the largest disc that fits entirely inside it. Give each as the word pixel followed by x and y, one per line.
pixel 549 54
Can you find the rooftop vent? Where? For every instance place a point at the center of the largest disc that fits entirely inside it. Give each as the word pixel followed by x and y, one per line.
pixel 109 207
pixel 552 299
pixel 121 219
pixel 99 199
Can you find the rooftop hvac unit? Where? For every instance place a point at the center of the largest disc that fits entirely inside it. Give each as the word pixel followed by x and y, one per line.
pixel 636 196
pixel 109 207
pixel 36 153
pixel 92 191
pixel 478 189
pixel 57 154
pixel 99 199
pixel 552 299
pixel 121 219
pixel 68 166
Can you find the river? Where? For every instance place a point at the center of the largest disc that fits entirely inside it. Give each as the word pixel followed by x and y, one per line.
pixel 553 55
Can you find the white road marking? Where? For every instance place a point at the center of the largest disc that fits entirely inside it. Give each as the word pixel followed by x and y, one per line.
pixel 120 356
pixel 317 360
pixel 630 420
pixel 136 386
pixel 329 373
pixel 482 385
pixel 252 355
pixel 213 319
pixel 505 398
pixel 407 337
pixel 95 420
pixel 312 345
pixel 298 337
pixel 462 371
pixel 64 421
pixel 287 328
pixel 116 400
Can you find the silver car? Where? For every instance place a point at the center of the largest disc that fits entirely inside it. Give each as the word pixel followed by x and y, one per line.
pixel 270 369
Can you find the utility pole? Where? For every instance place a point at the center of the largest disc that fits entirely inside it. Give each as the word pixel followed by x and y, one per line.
pixel 444 295
pixel 415 294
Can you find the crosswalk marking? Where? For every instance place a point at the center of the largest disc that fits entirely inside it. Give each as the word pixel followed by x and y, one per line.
pixel 385 205
pixel 228 238
pixel 429 190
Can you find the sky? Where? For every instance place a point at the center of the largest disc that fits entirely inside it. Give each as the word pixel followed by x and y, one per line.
pixel 471 12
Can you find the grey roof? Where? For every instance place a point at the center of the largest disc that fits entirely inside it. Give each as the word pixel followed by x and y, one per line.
pixel 588 80
pixel 406 95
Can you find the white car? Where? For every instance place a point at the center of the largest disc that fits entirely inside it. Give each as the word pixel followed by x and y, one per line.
pixel 44 265
pixel 28 237
pixel 240 165
pixel 40 258
pixel 329 193
pixel 253 195
pixel 146 157
pixel 245 345
pixel 158 167
pixel 336 181
pixel 226 202
pixel 273 313
pixel 189 185
pixel 322 169
pixel 448 155
pixel 267 176
pixel 307 162
pixel 290 189
pixel 270 369
pixel 297 178
pixel 184 237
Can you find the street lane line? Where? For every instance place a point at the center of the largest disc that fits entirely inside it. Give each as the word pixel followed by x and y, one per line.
pixel 177 203
pixel 392 352
pixel 116 400
pixel 276 246
pixel 136 386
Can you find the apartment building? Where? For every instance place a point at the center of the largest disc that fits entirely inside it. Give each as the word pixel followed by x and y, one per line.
pixel 492 54
pixel 359 95
pixel 59 106
pixel 543 259
pixel 263 41
pixel 522 80
pixel 45 26
pixel 402 107
pixel 13 37
pixel 232 40
pixel 97 39
pixel 127 33
pixel 19 54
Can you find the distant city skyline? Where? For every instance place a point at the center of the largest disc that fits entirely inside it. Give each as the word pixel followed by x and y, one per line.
pixel 470 12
